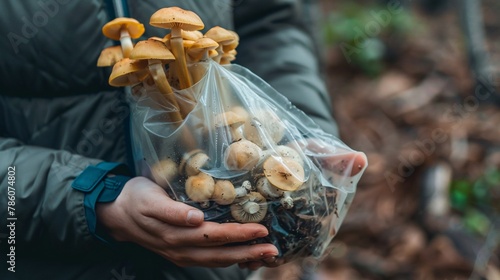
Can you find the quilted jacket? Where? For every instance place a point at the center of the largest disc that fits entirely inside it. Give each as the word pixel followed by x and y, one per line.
pixel 58 115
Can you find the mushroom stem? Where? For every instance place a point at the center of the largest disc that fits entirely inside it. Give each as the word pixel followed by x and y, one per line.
pixel 180 58
pixel 287 200
pixel 156 70
pixel 251 207
pixel 244 189
pixel 126 42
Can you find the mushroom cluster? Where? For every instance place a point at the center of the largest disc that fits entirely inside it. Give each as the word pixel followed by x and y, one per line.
pixel 260 175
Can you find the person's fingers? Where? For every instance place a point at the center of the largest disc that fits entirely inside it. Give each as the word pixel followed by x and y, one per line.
pixel 337 159
pixel 349 164
pixel 209 234
pixel 163 208
pixel 222 256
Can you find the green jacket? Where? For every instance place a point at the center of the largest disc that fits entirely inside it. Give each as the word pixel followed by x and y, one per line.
pixel 58 115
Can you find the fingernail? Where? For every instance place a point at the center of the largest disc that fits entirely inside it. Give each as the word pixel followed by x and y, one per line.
pixel 195 217
pixel 261 234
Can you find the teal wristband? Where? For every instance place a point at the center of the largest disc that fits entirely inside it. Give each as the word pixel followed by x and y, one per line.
pixel 100 183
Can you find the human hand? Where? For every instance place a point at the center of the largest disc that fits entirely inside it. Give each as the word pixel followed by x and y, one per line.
pixel 143 213
pixel 336 159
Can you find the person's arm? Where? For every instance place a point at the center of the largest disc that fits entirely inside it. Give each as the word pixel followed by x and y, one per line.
pixel 278 43
pixel 46 207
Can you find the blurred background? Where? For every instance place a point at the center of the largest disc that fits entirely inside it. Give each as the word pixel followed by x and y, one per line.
pixel 415 86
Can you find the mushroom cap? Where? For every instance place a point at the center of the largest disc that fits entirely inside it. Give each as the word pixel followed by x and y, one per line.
pixel 233 44
pixel 185 43
pixel 172 17
pixel 186 35
pixel 109 56
pixel 288 152
pixel 220 35
pixel 127 67
pixel 113 28
pixel 192 161
pixel 164 171
pixel 151 49
pixel 201 45
pixel 196 162
pixel 242 155
pixel 212 53
pixel 284 173
pixel 200 188
pixel 156 39
pixel 268 121
pixel 229 118
pixel 224 192
pixel 252 208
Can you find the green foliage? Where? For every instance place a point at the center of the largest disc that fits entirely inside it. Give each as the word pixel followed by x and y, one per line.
pixel 361 32
pixel 477 200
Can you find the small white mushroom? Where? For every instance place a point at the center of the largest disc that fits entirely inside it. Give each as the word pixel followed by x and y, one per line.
pixel 244 189
pixel 252 208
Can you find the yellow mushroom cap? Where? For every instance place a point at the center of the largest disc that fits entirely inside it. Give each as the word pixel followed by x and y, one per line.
pixel 284 173
pixel 112 29
pixel 176 17
pixel 220 35
pixel 125 68
pixel 233 44
pixel 224 192
pixel 109 56
pixel 200 188
pixel 199 46
pixel 151 49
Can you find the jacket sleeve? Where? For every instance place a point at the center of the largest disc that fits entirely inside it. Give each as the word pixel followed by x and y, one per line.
pixel 47 209
pixel 278 42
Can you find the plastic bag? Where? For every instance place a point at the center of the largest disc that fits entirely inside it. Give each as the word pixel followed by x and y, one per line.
pixel 244 139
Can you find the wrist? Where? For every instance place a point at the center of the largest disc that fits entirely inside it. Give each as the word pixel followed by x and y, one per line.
pixel 100 184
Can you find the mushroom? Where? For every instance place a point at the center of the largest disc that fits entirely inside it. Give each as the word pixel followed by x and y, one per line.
pixel 231 46
pixel 164 172
pixel 200 188
pixel 284 173
pixel 199 51
pixel 222 37
pixel 128 72
pixel 269 191
pixel 264 125
pixel 233 121
pixel 242 155
pixel 285 152
pixel 109 56
pixel 124 29
pixel 251 208
pixel 156 53
pixel 224 192
pixel 226 58
pixel 178 19
pixel 192 162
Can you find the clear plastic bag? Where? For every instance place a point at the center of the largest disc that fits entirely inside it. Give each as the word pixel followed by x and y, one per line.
pixel 244 153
